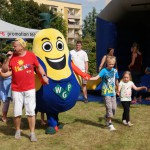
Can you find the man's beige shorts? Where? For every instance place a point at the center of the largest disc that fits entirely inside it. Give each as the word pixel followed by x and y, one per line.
pixel 26 99
pixel 84 81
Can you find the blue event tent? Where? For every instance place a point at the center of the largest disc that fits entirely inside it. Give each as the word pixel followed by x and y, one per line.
pixel 121 23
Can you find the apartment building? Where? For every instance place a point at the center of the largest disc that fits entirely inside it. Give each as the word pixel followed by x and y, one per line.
pixel 72 13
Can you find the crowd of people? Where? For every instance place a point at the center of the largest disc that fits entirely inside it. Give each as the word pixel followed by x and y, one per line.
pixel 16 86
pixel 130 80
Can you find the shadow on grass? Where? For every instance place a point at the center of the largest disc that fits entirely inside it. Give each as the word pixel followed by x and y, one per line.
pixel 113 120
pixel 9 128
pixel 131 106
pixel 89 122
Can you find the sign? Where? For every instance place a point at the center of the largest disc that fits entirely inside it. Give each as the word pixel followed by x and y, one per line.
pixel 63 93
pixel 14 34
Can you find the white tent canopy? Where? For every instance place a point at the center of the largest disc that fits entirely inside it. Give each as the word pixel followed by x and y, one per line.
pixel 8 30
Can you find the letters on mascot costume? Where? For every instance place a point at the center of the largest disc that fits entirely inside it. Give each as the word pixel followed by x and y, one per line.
pixel 61 93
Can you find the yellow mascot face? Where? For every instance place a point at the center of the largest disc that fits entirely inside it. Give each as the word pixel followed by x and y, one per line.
pixel 50 46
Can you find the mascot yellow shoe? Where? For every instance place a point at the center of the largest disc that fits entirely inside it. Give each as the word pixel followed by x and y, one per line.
pixel 60 95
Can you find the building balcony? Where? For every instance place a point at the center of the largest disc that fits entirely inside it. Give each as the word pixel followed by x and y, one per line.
pixel 73 16
pixel 74 26
pixel 72 36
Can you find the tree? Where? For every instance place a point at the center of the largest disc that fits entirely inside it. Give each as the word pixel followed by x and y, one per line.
pixel 24 13
pixel 17 13
pixel 89 44
pixel 59 23
pixel 3 7
pixel 33 10
pixel 89 24
pixel 89 39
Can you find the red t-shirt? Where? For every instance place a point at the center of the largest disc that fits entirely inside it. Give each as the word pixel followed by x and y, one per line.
pixel 23 71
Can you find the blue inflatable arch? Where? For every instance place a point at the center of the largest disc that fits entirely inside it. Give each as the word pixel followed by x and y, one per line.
pixel 121 23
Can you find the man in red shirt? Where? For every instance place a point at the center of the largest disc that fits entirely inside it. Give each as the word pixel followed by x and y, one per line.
pixel 22 62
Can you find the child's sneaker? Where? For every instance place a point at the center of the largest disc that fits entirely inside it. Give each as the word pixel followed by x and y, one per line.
pixel 111 128
pixel 124 122
pixel 130 124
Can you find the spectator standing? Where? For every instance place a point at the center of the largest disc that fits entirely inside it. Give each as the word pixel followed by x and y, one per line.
pixel 80 59
pixel 5 91
pixel 136 67
pixel 110 52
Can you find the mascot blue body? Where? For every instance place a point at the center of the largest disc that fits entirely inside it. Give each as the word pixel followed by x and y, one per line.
pixel 63 89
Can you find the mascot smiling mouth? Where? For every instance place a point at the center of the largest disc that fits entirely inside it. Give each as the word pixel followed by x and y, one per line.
pixel 58 63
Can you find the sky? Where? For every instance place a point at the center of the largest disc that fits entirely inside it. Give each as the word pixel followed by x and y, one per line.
pixel 87 5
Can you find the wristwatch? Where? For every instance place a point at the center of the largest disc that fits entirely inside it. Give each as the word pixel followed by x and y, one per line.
pixel 43 75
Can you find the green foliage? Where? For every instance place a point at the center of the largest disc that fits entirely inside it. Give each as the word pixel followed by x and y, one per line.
pixel 33 10
pixel 92 63
pixel 59 24
pixel 24 13
pixel 89 44
pixel 89 24
pixel 89 39
pixel 29 46
pixel 3 7
pixel 71 46
pixel 6 48
pixel 17 13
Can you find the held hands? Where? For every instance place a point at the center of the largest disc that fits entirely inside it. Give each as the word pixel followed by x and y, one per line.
pixel 118 93
pixel 86 76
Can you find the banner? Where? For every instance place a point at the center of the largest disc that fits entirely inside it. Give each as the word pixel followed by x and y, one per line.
pixel 17 34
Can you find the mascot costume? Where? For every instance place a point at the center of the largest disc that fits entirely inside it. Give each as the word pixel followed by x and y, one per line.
pixel 61 93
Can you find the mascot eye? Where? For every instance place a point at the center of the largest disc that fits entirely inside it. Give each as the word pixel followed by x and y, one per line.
pixel 60 45
pixel 47 46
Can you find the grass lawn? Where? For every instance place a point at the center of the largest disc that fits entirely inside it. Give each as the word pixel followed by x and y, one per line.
pixel 84 129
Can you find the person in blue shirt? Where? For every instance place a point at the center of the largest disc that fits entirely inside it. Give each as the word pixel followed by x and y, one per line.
pixel 109 76
pixel 5 90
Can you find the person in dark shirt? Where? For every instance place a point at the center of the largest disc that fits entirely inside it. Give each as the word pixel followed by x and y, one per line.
pixel 135 67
